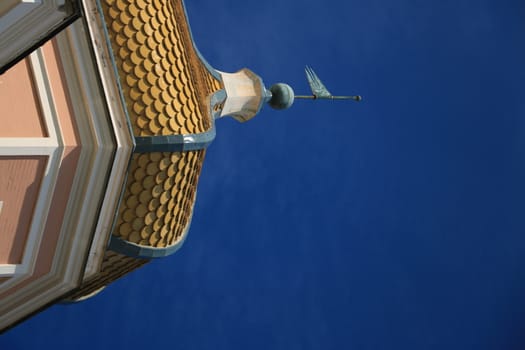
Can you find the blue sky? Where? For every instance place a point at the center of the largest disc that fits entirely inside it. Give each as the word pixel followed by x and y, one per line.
pixel 393 223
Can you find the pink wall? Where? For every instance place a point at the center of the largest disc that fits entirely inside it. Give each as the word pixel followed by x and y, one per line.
pixel 19 186
pixel 21 115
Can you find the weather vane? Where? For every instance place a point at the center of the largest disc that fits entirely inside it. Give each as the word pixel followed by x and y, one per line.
pixel 282 95
pixel 319 91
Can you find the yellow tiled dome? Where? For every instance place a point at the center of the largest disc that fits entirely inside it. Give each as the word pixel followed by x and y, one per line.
pixel 166 89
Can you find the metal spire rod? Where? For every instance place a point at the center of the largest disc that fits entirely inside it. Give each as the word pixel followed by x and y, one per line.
pixel 313 97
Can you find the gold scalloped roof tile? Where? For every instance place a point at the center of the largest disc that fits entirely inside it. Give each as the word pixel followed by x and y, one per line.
pixel 156 59
pixel 158 201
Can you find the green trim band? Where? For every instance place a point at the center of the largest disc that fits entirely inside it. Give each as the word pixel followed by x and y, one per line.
pixel 134 250
pixel 174 143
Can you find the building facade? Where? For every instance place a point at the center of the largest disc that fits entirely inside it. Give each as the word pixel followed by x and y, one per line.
pixel 108 109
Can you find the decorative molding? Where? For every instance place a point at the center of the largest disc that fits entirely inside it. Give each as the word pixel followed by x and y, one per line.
pixel 26 24
pixel 99 48
pixel 12 11
pixel 96 156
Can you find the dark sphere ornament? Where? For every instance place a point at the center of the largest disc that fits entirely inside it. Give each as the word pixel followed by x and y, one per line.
pixel 282 96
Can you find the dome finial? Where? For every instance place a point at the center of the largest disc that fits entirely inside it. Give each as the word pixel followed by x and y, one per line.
pixel 282 96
